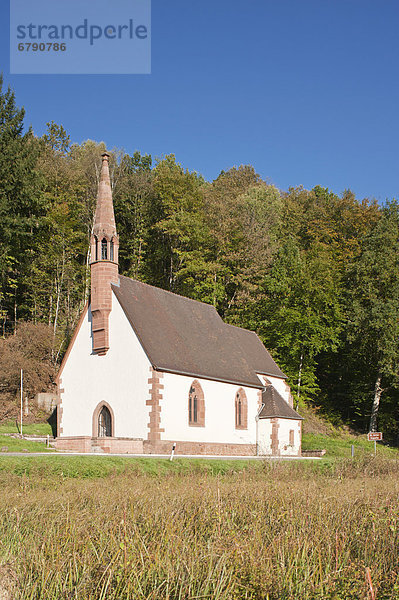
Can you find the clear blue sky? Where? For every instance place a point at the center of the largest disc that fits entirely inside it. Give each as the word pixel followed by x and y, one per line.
pixel 307 91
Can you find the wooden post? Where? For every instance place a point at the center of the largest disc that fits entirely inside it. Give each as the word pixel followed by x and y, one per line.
pixel 26 407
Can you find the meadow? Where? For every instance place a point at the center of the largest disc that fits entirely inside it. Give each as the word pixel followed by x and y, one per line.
pixel 112 528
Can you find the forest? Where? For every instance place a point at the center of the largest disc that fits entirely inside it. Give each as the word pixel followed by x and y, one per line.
pixel 313 272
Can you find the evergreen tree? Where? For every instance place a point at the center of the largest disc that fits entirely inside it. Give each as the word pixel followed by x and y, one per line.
pixel 21 208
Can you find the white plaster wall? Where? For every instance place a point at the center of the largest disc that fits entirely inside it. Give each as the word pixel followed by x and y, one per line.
pixel 264 437
pixel 219 412
pixel 284 437
pixel 285 425
pixel 119 378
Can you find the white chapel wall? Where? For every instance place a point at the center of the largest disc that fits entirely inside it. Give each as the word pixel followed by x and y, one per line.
pixel 286 425
pixel 285 448
pixel 119 378
pixel 219 412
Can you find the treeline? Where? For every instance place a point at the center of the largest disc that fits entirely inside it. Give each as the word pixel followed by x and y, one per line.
pixel 314 273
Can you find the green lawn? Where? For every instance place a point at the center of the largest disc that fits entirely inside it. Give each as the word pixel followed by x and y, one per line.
pixel 20 445
pixel 339 445
pixel 92 467
pixel 32 429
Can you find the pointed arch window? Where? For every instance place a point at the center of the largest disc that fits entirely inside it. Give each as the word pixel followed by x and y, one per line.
pixel 111 250
pixel 241 409
pixel 104 244
pixel 96 246
pixel 196 405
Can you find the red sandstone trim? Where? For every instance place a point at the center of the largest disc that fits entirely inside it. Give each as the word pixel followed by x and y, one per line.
pixel 109 445
pixel 244 409
pixel 291 437
pixel 274 437
pixel 259 400
pixel 103 274
pixel 300 438
pixel 154 424
pixel 200 448
pixel 115 445
pixel 60 410
pixel 200 422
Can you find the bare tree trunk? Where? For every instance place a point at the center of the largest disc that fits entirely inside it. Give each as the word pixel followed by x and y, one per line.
pixel 58 286
pixel 299 381
pixel 376 403
pixel 50 312
pixel 15 316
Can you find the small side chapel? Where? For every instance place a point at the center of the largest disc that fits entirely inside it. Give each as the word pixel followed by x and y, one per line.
pixel 147 369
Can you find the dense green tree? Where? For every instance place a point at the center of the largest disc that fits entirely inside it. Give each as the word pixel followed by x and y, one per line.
pixel 178 238
pixel 133 199
pixel 373 289
pixel 300 314
pixel 21 209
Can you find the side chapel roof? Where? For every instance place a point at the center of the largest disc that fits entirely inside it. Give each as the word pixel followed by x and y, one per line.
pixel 274 405
pixel 184 336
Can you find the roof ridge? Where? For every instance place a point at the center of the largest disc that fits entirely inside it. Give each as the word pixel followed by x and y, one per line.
pixel 173 294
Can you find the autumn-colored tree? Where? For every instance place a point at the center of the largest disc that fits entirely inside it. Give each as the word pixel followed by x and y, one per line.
pixel 29 349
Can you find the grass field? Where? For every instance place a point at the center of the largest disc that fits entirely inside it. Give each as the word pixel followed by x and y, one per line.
pixel 31 429
pixel 113 528
pixel 11 444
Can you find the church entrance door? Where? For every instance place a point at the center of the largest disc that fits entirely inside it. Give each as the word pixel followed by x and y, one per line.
pixel 104 423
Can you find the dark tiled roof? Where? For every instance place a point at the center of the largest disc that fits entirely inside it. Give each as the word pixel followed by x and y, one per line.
pixel 184 336
pixel 274 405
pixel 255 352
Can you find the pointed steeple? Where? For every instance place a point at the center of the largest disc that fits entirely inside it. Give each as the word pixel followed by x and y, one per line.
pixel 103 261
pixel 104 220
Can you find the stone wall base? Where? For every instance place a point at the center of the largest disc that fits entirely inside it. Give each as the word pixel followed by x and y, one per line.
pixel 200 448
pixel 114 445
pixel 108 445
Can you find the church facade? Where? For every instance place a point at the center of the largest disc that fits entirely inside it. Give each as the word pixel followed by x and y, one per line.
pixel 147 369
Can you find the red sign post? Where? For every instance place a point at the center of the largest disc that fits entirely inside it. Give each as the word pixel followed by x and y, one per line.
pixel 374 436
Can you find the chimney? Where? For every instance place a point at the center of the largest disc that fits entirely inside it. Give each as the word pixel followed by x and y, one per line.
pixel 103 261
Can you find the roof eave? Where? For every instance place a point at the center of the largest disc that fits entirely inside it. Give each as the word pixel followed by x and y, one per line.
pixel 293 418
pixel 282 376
pixel 208 378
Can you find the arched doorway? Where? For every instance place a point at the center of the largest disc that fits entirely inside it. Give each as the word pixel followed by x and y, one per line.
pixel 103 421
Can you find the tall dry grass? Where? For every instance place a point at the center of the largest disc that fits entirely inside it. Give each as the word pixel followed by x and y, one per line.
pixel 276 532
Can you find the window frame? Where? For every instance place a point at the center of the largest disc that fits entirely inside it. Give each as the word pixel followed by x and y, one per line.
pixel 241 409
pixel 196 405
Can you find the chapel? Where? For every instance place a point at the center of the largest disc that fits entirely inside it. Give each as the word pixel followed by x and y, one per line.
pixel 147 369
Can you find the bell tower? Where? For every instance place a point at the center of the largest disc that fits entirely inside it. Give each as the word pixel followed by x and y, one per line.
pixel 104 248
